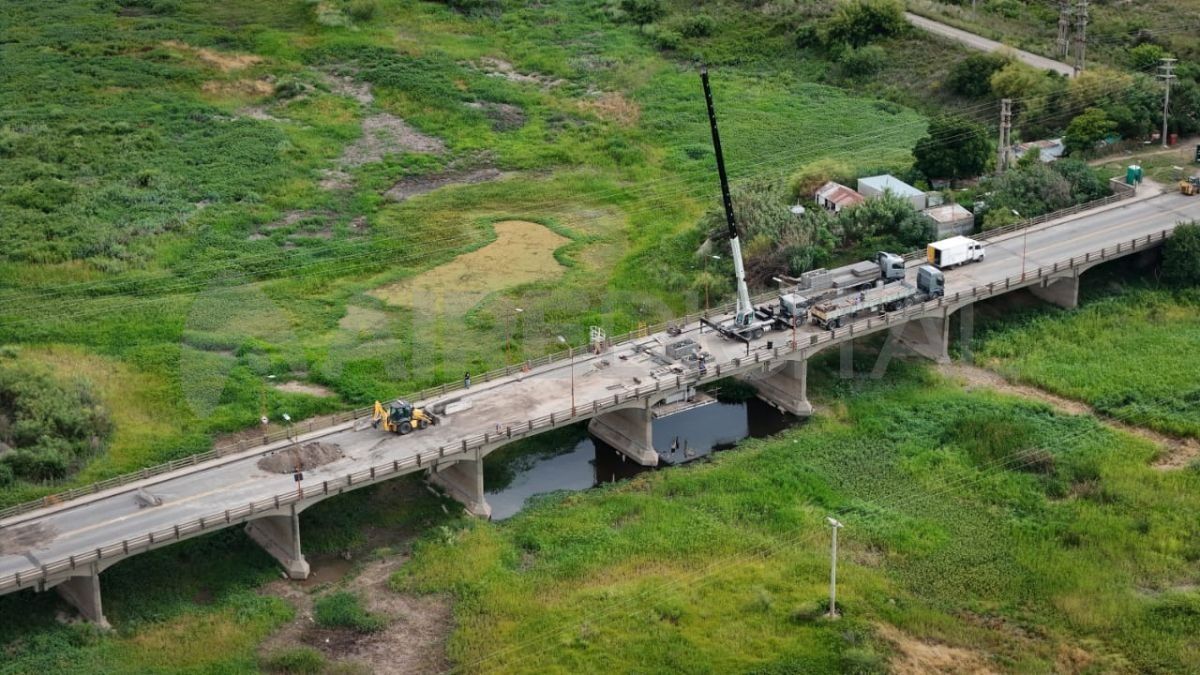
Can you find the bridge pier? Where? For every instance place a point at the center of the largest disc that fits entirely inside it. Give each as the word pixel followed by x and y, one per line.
pixel 83 593
pixel 463 480
pixel 280 537
pixel 630 431
pixel 928 337
pixel 787 388
pixel 1063 292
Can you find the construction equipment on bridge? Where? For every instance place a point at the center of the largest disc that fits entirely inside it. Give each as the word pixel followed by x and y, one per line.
pixel 931 283
pixel 401 417
pixel 1190 186
pixel 954 251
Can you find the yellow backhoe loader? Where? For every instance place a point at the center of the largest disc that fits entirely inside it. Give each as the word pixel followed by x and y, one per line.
pixel 1190 186
pixel 401 417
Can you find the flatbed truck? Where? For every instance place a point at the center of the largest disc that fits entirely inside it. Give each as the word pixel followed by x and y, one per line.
pixel 931 283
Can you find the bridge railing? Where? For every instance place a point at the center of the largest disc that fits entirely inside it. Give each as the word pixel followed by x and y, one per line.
pixel 506 431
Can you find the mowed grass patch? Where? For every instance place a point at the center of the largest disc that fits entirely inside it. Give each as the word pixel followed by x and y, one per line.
pixel 1131 356
pixel 950 536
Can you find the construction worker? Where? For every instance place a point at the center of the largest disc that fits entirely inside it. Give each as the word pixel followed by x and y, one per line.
pixel 467 380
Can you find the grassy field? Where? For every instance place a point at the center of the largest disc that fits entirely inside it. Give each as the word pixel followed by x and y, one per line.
pixel 981 532
pixel 199 200
pixel 1129 355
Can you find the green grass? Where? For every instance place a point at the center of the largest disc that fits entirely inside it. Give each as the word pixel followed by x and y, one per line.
pixel 721 567
pixel 1130 356
pixel 297 661
pixel 344 609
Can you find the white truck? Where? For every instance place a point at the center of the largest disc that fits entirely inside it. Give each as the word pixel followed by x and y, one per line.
pixel 954 251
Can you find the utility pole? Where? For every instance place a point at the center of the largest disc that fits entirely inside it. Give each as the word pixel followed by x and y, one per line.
pixel 1081 20
pixel 1005 133
pixel 834 525
pixel 1064 28
pixel 1167 74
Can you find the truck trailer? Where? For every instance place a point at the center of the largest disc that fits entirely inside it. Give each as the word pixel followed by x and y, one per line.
pixel 954 251
pixel 931 283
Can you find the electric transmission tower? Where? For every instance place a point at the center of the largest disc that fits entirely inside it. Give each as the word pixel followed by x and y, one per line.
pixel 1081 21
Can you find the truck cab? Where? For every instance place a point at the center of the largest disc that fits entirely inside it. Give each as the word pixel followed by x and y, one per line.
pixel 793 309
pixel 891 267
pixel 931 281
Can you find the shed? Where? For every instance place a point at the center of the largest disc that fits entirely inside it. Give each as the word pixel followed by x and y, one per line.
pixel 1048 150
pixel 835 197
pixel 876 186
pixel 951 219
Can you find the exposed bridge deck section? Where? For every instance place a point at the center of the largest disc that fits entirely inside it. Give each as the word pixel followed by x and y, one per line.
pixel 70 543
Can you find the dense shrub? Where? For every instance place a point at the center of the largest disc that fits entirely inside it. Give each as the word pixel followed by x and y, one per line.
pixel 1181 256
pixel 863 61
pixel 954 147
pixel 643 12
pixel 1087 129
pixel 695 25
pixel 344 609
pixel 858 22
pixel 362 10
pixel 46 425
pixel 474 7
pixel 972 76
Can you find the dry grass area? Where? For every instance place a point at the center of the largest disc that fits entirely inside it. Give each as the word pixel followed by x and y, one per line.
pixel 612 106
pixel 523 252
pixel 223 61
pixel 918 657
pixel 1176 453
pixel 236 88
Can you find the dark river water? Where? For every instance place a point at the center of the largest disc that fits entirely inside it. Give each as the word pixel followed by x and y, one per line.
pixel 687 436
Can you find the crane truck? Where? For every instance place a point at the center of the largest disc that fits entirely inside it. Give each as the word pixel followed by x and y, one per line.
pixel 931 283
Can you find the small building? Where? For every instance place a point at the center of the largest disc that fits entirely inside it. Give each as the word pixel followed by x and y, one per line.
pixel 1048 150
pixel 951 219
pixel 876 186
pixel 835 197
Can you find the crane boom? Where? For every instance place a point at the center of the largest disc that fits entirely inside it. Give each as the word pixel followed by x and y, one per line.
pixel 745 311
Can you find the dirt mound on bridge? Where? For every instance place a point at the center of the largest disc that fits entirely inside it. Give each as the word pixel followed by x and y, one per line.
pixel 307 456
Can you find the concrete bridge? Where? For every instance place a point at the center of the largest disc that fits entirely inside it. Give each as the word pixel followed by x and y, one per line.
pixel 66 543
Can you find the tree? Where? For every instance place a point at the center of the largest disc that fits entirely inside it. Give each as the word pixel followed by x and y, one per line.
pixel 1087 129
pixel 953 148
pixel 887 222
pixel 1030 190
pixel 643 12
pixel 1017 80
pixel 1181 255
pixel 858 22
pixel 1146 57
pixel 971 76
pixel 1086 184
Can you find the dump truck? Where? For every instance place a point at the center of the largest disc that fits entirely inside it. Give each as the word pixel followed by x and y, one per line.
pixel 401 417
pixel 931 283
pixel 954 251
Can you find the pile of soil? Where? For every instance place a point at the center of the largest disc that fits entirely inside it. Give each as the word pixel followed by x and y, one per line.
pixel 307 456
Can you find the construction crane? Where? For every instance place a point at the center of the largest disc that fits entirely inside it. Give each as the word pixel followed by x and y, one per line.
pixel 746 325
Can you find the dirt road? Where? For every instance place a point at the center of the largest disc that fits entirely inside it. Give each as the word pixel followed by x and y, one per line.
pixel 985 45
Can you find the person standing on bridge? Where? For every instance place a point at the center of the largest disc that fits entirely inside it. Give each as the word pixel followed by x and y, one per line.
pixel 467 380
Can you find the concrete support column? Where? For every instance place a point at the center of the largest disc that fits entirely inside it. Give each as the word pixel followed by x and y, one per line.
pixel 463 480
pixel 630 431
pixel 787 388
pixel 83 593
pixel 1061 292
pixel 280 536
pixel 928 337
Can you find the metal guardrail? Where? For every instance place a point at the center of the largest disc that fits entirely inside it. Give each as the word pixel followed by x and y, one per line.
pixel 217 520
pixel 1120 191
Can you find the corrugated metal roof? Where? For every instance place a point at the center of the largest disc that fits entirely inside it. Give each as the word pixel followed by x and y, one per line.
pixel 948 213
pixel 888 182
pixel 839 194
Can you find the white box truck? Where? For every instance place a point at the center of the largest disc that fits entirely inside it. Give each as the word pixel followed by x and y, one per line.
pixel 954 251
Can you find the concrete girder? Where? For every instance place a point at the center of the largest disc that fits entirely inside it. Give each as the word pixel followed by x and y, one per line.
pixel 462 479
pixel 280 537
pixel 786 388
pixel 928 337
pixel 630 431
pixel 1063 291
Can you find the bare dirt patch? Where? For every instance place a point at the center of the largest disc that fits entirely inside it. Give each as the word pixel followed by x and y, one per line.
pixel 919 657
pixel 19 539
pixel 494 67
pixel 298 387
pixel 503 116
pixel 257 112
pixel 523 252
pixel 345 85
pixel 306 456
pixel 1177 452
pixel 613 107
pixel 419 185
pixel 223 61
pixel 335 180
pixel 362 319
pixel 385 134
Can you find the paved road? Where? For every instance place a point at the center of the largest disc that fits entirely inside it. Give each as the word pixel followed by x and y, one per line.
pixel 79 526
pixel 985 45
